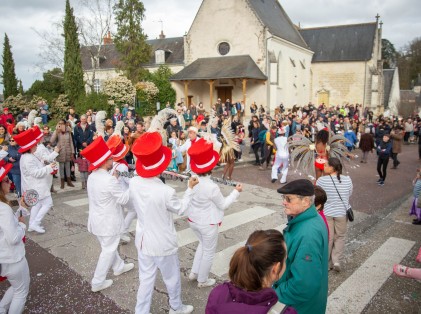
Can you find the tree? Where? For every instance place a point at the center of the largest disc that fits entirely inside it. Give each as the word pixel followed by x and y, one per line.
pixel 119 90
pixel 389 54
pixel 409 63
pixel 130 41
pixel 73 72
pixel 161 78
pixel 10 82
pixel 50 87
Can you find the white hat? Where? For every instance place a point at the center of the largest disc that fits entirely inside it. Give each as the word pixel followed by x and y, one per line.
pixel 193 129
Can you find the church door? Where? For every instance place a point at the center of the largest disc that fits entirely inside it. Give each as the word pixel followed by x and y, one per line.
pixel 323 97
pixel 224 92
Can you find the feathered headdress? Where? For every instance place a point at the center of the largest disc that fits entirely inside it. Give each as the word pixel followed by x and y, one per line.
pixel 38 122
pixel 119 128
pixel 158 122
pixel 100 123
pixel 31 118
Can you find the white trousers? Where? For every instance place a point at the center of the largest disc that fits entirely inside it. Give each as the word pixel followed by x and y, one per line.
pixel 15 297
pixel 108 258
pixel 130 216
pixel 169 267
pixel 40 210
pixel 205 252
pixel 284 171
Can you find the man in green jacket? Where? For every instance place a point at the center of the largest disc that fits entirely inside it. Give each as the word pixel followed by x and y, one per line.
pixel 304 285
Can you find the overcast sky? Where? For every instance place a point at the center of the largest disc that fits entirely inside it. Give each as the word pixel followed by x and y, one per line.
pixel 19 18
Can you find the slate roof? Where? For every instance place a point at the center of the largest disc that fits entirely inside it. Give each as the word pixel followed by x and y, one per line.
pixel 220 68
pixel 388 80
pixel 110 55
pixel 341 43
pixel 272 15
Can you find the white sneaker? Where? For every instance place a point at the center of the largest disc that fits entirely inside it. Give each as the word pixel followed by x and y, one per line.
pixel 125 238
pixel 37 229
pixel 193 276
pixel 184 309
pixel 127 267
pixel 208 283
pixel 103 286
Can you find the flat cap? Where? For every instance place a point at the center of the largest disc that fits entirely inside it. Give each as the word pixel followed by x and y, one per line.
pixel 301 187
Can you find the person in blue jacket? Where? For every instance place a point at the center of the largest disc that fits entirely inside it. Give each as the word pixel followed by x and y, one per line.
pixel 384 151
pixel 304 285
pixel 352 139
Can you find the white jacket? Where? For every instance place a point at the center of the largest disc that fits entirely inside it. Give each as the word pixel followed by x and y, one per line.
pixel 281 145
pixel 208 204
pixel 12 249
pixel 35 175
pixel 123 180
pixel 154 203
pixel 105 204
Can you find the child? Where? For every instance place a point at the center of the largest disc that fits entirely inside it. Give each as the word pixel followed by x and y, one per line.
pixel 319 201
pixel 173 164
pixel 83 165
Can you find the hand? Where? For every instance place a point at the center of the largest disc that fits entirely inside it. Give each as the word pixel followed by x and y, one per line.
pixel 53 165
pixel 193 181
pixel 21 219
pixel 116 174
pixel 84 144
pixel 11 159
pixel 57 149
pixel 239 187
pixel 5 148
pixel 22 203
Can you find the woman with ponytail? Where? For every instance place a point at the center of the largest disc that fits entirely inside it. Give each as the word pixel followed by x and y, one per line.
pixel 338 189
pixel 253 269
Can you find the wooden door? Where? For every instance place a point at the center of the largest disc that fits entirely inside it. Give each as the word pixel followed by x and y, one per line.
pixel 323 97
pixel 224 92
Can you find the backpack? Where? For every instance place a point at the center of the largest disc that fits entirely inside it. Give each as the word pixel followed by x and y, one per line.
pixel 262 136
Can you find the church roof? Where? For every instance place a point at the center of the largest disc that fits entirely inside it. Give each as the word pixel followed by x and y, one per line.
pixel 220 68
pixel 388 80
pixel 110 57
pixel 272 15
pixel 341 43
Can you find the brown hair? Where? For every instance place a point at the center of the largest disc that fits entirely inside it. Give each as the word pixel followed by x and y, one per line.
pixel 320 197
pixel 3 197
pixel 251 263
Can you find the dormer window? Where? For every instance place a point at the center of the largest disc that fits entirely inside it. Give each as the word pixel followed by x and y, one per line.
pixel 95 62
pixel 159 56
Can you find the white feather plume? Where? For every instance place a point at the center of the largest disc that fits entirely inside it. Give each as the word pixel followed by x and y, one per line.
pixel 38 122
pixel 119 128
pixel 100 123
pixel 158 122
pixel 31 118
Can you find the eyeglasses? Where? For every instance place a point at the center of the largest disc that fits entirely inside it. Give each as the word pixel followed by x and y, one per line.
pixel 11 140
pixel 288 198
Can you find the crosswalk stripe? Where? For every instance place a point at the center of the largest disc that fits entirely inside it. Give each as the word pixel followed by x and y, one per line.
pixel 352 296
pixel 78 202
pixel 187 236
pixel 222 259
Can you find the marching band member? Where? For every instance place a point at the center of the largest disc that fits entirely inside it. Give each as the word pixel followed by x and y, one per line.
pixel 106 219
pixel 35 175
pixel 206 210
pixel 156 237
pixel 12 253
pixel 119 151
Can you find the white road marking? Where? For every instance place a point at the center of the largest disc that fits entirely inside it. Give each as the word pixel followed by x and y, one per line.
pixel 78 202
pixel 220 265
pixel 187 236
pixel 355 293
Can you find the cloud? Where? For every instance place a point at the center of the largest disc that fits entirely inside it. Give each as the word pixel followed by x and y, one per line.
pixel 19 18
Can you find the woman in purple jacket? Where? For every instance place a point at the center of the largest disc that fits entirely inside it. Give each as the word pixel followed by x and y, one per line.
pixel 253 270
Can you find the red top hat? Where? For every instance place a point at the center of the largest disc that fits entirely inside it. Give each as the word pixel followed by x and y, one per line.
pixel 4 169
pixel 37 133
pixel 26 140
pixel 117 147
pixel 203 157
pixel 97 153
pixel 152 156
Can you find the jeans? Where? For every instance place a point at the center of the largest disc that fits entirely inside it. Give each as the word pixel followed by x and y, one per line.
pixel 44 118
pixel 16 180
pixel 62 167
pixel 382 167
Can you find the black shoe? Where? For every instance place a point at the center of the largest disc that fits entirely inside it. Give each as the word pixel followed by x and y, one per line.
pixel 418 222
pixel 379 180
pixel 381 183
pixel 273 180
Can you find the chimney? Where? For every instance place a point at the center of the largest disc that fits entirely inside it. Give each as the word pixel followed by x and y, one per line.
pixel 107 39
pixel 161 36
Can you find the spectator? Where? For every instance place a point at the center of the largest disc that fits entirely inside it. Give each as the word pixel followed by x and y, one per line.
pixel 173 126
pixel 109 130
pixel 384 150
pixel 14 158
pixel 338 189
pixel 253 269
pixel 44 112
pixel 63 138
pixel 117 116
pixel 397 136
pixel 416 208
pixel 72 113
pixel 6 115
pixel 409 128
pixel 46 140
pixel 351 139
pixel 4 136
pixel 304 285
pixel 366 144
pixel 83 134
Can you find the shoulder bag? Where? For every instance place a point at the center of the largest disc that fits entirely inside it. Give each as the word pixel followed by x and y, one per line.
pixel 349 212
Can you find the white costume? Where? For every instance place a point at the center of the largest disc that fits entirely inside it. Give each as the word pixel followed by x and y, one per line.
pixel 281 158
pixel 156 238
pixel 43 154
pixel 3 153
pixel 37 176
pixel 106 221
pixel 205 212
pixel 184 148
pixel 124 183
pixel 13 261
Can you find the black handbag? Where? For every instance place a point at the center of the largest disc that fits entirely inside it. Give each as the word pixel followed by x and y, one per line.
pixel 349 212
